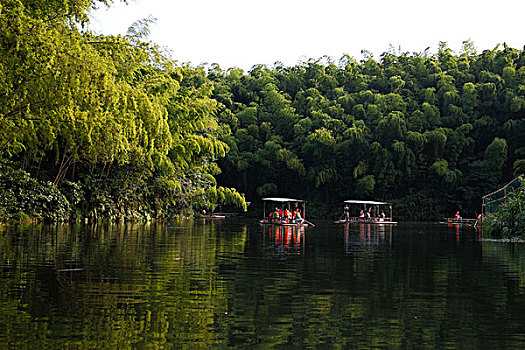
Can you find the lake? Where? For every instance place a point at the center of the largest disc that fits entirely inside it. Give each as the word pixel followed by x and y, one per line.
pixel 231 283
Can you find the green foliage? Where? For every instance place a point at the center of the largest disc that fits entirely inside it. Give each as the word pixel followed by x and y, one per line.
pixel 210 197
pixel 365 185
pixel 519 167
pixel 509 220
pixel 267 190
pixel 411 125
pixel 117 126
pixel 123 132
pixel 23 198
pixel 495 155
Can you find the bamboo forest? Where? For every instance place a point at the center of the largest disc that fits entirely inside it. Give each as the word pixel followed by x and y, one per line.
pixel 112 127
pixel 132 186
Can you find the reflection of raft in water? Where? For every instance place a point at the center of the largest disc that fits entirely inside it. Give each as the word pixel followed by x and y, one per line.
pixel 280 241
pixel 371 207
pixel 284 223
pixel 289 204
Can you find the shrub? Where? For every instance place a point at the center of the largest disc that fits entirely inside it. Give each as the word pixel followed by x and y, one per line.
pixel 509 220
pixel 23 197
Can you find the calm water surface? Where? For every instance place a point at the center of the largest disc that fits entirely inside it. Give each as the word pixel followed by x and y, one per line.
pixel 235 284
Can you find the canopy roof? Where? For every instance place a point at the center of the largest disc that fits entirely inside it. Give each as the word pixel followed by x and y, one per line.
pixel 355 201
pixel 282 200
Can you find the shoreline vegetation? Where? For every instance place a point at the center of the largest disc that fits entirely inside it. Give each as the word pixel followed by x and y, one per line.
pixel 508 223
pixel 112 128
pixel 101 126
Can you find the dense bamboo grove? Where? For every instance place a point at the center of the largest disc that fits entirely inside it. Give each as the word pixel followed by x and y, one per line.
pixel 430 132
pixel 108 127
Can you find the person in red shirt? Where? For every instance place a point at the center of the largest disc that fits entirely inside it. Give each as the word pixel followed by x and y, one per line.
pixel 287 215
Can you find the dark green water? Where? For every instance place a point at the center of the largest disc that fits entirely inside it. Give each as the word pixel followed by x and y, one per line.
pixel 235 284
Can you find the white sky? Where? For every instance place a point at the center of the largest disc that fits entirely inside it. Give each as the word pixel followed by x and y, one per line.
pixel 242 33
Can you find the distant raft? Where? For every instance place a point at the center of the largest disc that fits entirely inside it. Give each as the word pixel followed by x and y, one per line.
pixel 366 212
pixel 460 221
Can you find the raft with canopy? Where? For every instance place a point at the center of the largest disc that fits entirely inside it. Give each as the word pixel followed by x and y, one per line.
pixel 378 212
pixel 275 209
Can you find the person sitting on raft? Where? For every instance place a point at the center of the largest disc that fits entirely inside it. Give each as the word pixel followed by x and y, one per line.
pixel 276 215
pixel 287 215
pixel 297 216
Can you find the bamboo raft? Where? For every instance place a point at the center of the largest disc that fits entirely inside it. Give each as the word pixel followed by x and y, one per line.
pixel 374 219
pixel 454 221
pixel 285 203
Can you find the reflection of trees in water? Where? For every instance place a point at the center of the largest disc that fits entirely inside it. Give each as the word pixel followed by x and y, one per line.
pixel 186 285
pixel 114 286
